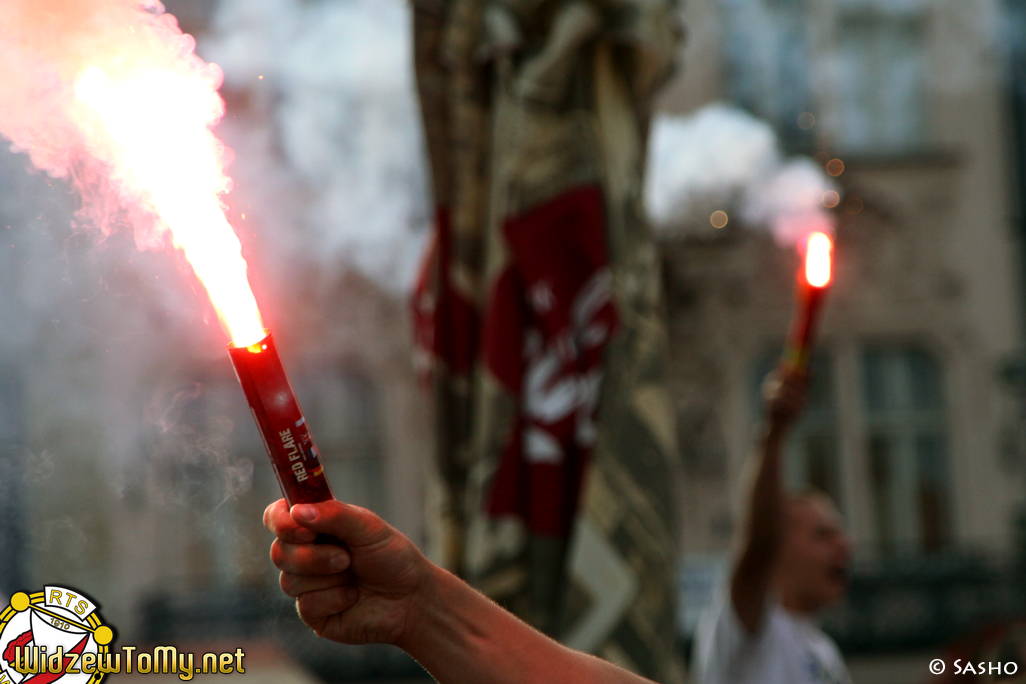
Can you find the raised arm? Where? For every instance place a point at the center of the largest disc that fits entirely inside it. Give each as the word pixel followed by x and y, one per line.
pixel 383 590
pixel 767 504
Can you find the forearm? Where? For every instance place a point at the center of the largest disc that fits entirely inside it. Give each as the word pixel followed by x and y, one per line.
pixel 762 534
pixel 766 505
pixel 460 636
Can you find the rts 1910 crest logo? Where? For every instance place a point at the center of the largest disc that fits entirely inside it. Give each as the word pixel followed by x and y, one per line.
pixel 53 635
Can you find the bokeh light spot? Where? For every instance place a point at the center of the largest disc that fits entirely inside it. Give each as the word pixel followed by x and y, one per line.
pixel 831 199
pixel 835 167
pixel 806 120
pixel 719 219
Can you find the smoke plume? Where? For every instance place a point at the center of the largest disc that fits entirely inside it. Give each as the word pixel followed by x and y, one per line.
pixel 722 158
pixel 47 47
pixel 334 81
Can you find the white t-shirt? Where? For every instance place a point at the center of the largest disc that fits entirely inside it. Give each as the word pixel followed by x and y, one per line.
pixel 786 650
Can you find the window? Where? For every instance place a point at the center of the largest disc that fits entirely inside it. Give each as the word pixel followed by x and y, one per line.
pixel 907 450
pixel 812 453
pixel 879 80
pixel 767 54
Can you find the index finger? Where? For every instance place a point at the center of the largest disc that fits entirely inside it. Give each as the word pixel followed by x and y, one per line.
pixel 283 526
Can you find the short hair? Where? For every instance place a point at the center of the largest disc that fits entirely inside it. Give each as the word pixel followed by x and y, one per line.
pixel 813 495
pixel 810 494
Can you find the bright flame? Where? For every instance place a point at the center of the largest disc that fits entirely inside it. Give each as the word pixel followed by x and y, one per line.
pixel 157 124
pixel 818 257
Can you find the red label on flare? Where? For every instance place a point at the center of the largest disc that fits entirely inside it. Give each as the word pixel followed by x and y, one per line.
pixel 290 446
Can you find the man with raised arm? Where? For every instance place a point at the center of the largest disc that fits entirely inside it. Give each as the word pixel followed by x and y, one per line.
pixel 792 565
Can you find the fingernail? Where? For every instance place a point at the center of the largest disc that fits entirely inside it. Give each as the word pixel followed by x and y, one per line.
pixel 304 512
pixel 339 562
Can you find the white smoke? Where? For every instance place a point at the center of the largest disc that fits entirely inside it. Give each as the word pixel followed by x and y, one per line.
pixel 339 76
pixel 722 158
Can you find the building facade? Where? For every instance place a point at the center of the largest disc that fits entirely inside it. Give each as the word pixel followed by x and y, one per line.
pixel 913 426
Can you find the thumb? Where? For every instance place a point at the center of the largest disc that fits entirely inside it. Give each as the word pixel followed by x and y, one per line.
pixel 351 524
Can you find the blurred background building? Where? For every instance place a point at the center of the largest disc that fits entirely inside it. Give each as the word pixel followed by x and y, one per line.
pixel 915 424
pixel 128 463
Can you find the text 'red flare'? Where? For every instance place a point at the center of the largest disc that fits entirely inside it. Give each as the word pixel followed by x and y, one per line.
pixel 296 460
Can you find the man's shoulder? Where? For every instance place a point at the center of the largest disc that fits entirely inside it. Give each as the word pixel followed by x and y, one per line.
pixel 784 648
pixel 725 648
